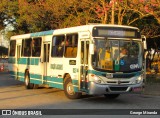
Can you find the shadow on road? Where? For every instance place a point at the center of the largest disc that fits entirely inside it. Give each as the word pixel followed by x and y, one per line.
pixel 6 80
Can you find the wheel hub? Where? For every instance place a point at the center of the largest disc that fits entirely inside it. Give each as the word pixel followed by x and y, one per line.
pixel 70 89
pixel 26 80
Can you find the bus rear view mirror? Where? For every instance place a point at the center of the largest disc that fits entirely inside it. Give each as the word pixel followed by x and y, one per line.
pixel 144 41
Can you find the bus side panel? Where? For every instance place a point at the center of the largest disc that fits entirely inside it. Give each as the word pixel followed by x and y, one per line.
pixel 35 78
pixel 12 67
pixel 32 64
pixel 55 82
pixel 35 70
pixel 71 67
pixel 55 73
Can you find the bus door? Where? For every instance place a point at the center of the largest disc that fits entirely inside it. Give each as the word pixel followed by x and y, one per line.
pixel 18 60
pixel 46 52
pixel 84 64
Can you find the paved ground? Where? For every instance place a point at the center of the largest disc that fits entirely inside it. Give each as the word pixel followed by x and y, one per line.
pixel 152 89
pixel 13 95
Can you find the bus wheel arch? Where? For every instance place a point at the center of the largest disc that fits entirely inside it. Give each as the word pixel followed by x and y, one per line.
pixel 69 88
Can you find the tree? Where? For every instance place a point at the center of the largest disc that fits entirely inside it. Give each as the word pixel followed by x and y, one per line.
pixel 38 15
pixel 7 9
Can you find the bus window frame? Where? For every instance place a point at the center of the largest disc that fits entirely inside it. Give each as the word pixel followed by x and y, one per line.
pixel 37 46
pixel 59 46
pixel 29 45
pixel 71 44
pixel 13 50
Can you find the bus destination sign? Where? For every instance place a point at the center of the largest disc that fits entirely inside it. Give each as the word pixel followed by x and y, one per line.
pixel 115 32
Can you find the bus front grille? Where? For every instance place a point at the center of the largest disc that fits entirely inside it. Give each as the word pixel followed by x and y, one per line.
pixel 118 88
pixel 115 82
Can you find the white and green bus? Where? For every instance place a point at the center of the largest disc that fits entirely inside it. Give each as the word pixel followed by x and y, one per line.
pixel 83 59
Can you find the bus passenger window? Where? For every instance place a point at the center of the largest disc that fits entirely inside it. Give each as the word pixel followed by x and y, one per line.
pixel 82 52
pixel 58 46
pixel 36 47
pixel 12 48
pixel 71 45
pixel 26 47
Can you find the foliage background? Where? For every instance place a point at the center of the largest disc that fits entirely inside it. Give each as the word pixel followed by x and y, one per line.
pixel 26 16
pixel 39 15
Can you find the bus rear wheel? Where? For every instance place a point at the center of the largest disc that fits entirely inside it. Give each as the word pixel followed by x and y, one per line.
pixel 111 96
pixel 27 82
pixel 69 90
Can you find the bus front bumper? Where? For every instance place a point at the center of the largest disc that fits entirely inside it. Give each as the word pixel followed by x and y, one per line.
pixel 98 89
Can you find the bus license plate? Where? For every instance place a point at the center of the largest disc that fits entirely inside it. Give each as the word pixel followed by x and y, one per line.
pixel 137 89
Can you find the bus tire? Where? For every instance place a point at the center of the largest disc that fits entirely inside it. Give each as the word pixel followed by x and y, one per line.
pixel 28 85
pixel 111 96
pixel 69 90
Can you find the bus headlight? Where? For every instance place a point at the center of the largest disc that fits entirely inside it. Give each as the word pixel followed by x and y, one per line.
pixel 138 80
pixel 98 80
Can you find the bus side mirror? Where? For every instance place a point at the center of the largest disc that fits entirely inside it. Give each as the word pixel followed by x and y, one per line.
pixel 91 49
pixel 144 42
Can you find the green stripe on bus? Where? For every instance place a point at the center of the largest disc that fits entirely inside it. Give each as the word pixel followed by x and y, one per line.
pixel 20 74
pixel 36 76
pixel 12 73
pixel 11 60
pixel 76 89
pixel 29 61
pixel 56 85
pixel 94 72
pixel 75 82
pixel 35 81
pixel 21 79
pixel 53 79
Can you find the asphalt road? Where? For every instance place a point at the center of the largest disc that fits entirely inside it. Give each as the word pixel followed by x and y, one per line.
pixel 13 95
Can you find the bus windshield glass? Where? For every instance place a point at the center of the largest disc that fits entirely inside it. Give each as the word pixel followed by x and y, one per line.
pixel 117 55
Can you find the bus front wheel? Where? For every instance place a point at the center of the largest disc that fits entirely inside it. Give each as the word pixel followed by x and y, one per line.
pixel 27 82
pixel 69 90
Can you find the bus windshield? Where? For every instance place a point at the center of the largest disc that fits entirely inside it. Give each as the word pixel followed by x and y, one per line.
pixel 117 55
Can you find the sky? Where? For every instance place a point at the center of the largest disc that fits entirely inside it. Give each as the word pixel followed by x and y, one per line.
pixel 3 42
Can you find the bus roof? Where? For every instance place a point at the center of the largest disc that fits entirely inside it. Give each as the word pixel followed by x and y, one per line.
pixel 67 30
